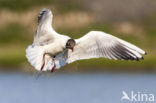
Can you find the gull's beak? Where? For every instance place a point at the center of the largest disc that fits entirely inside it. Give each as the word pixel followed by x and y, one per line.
pixel 72 49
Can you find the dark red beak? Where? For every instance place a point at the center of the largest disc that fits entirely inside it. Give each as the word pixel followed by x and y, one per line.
pixel 72 49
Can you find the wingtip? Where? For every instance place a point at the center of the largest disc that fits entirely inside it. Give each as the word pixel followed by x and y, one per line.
pixel 137 59
pixel 145 53
pixel 142 58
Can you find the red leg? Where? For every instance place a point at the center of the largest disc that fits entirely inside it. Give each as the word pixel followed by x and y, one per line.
pixel 53 66
pixel 43 62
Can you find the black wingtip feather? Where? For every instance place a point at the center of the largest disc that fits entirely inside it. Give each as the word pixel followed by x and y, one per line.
pixel 142 58
pixel 137 59
pixel 41 14
pixel 145 53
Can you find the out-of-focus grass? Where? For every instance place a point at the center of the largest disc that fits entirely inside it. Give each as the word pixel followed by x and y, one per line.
pixel 77 33
pixel 12 56
pixel 14 33
pixel 106 64
pixel 144 43
pixel 15 38
pixel 13 41
pixel 150 31
pixel 21 5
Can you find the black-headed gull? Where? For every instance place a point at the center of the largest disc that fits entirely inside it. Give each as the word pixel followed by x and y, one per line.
pixel 51 50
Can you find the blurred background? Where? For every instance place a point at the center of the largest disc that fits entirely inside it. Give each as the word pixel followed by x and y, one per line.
pixel 131 20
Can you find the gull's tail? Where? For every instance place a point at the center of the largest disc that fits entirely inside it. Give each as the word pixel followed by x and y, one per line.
pixel 34 55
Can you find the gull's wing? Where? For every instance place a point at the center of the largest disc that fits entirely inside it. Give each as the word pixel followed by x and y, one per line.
pixel 44 33
pixel 97 44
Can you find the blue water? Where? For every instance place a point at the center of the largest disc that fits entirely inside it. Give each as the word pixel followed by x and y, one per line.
pixel 72 88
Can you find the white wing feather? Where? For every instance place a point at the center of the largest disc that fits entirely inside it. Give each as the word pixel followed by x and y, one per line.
pixel 44 33
pixel 46 40
pixel 97 44
pixel 34 55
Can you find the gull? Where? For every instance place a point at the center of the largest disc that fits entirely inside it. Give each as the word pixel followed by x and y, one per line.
pixel 51 50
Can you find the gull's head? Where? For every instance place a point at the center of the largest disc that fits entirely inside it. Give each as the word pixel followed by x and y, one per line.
pixel 70 44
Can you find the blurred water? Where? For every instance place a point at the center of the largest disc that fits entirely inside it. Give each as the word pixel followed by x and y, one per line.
pixel 75 88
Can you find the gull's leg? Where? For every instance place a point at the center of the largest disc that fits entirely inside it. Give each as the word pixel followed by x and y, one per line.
pixel 52 70
pixel 43 61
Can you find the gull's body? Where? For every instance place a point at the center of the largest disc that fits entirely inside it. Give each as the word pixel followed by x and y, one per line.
pixel 50 49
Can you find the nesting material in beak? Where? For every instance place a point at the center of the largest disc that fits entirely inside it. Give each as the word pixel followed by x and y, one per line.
pixel 70 44
pixel 72 49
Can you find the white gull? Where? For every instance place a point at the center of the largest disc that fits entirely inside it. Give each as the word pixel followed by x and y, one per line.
pixel 51 50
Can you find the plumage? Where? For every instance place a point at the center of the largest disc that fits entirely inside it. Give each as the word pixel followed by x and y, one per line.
pixel 56 47
pixel 104 45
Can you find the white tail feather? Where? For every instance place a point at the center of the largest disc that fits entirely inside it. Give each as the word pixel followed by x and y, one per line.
pixel 35 56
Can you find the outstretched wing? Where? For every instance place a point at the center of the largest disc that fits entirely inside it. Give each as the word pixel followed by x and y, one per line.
pixel 44 33
pixel 45 15
pixel 97 44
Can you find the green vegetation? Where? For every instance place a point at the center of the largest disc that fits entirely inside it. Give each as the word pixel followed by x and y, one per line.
pixel 22 5
pixel 19 5
pixel 14 33
pixel 15 37
pixel 13 41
